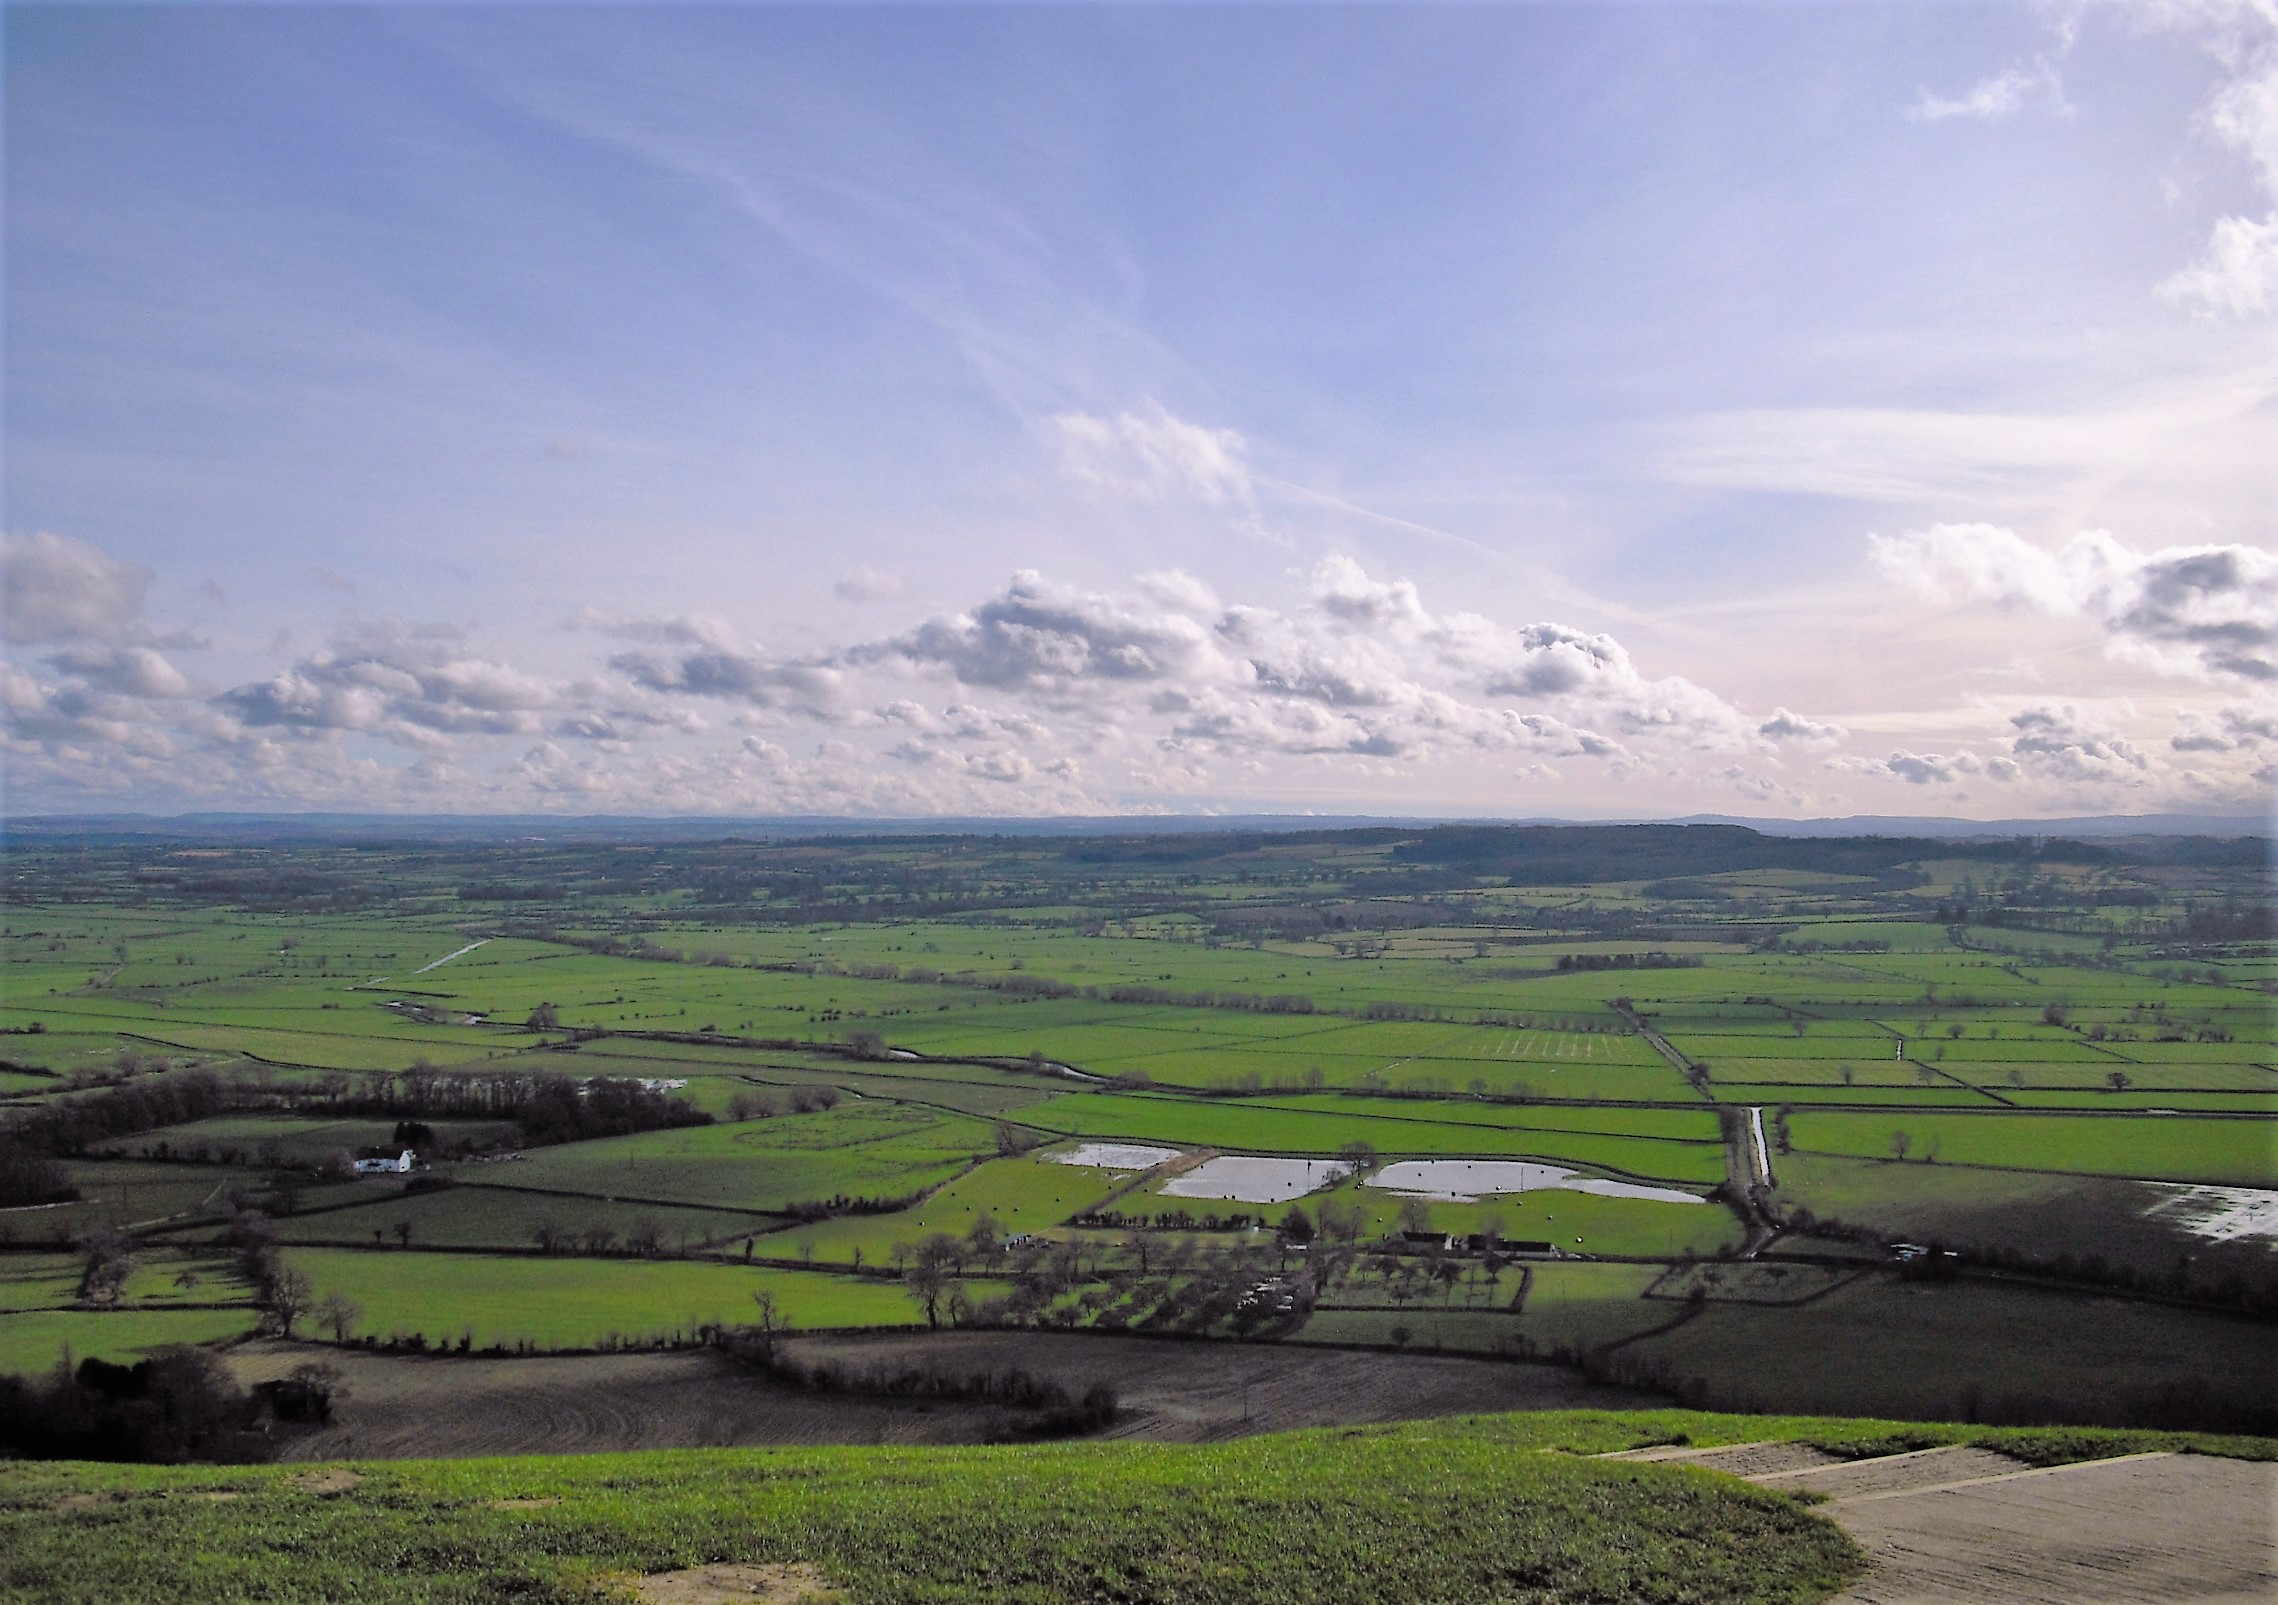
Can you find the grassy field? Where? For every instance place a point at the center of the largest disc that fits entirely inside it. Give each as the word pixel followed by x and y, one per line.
pixel 33 1341
pixel 2243 1152
pixel 859 1150
pixel 503 1217
pixel 1306 1518
pixel 1021 1195
pixel 574 1303
pixel 1227 1123
pixel 1261 994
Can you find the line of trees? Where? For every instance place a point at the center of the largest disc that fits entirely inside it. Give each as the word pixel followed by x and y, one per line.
pixel 549 1107
pixel 179 1405
pixel 71 1126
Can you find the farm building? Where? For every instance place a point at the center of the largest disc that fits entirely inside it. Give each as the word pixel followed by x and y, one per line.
pixel 383 1166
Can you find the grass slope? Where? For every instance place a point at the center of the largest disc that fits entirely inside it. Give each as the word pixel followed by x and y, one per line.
pixel 1475 1509
pixel 1405 1514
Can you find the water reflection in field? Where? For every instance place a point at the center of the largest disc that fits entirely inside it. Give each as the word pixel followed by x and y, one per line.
pixel 1117 1156
pixel 1466 1181
pixel 1253 1180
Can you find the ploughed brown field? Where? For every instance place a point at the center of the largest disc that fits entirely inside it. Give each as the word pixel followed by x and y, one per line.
pixel 408 1407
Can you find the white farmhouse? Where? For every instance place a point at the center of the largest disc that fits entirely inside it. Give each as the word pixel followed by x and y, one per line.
pixel 398 1166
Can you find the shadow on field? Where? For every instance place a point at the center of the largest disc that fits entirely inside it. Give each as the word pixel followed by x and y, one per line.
pixel 407 1407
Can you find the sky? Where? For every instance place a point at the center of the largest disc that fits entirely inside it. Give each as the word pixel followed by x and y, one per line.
pixel 1577 410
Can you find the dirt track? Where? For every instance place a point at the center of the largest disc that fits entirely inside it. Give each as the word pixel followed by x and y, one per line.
pixel 1965 1527
pixel 2178 1527
pixel 401 1407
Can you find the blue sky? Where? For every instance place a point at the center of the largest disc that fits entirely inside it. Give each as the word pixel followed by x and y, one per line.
pixel 1579 409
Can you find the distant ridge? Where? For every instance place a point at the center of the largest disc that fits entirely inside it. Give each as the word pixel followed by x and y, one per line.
pixel 494 827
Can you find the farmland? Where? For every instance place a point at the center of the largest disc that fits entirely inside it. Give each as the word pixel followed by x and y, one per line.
pixel 646 1080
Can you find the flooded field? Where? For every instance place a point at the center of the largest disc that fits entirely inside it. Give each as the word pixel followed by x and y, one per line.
pixel 1252 1180
pixel 1116 1156
pixel 2221 1214
pixel 1466 1181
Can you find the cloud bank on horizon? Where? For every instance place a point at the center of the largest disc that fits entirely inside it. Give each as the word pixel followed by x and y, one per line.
pixel 564 411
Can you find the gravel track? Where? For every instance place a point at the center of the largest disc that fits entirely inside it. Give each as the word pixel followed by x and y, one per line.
pixel 1965 1526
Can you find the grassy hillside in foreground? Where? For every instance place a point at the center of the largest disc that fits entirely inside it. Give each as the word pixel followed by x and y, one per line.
pixel 1470 1509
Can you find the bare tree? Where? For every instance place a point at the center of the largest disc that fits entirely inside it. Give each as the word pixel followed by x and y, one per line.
pixel 285 1295
pixel 984 1239
pixel 927 1281
pixel 771 1326
pixel 339 1312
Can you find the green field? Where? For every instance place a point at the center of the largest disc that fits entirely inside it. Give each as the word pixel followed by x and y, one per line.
pixel 504 1217
pixel 32 1342
pixel 1310 1518
pixel 1020 1195
pixel 582 1303
pixel 2060 1060
pixel 2242 1152
pixel 861 1150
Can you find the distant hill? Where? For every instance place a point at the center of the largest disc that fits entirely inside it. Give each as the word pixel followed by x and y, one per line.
pixel 500 827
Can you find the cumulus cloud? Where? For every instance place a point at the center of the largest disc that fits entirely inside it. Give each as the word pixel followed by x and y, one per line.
pixel 134 671
pixel 55 588
pixel 2197 610
pixel 1362 668
pixel 2058 743
pixel 2237 273
pixel 1929 768
pixel 1045 697
pixel 104 711
pixel 1786 726
pixel 413 685
pixel 2241 727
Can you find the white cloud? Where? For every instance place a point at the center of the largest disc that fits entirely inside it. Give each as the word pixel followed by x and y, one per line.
pixel 1047 698
pixel 1363 668
pixel 1151 455
pixel 2006 93
pixel 2196 610
pixel 2058 743
pixel 134 671
pixel 1931 768
pixel 1786 726
pixel 2237 273
pixel 2239 727
pixel 412 685
pixel 55 588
